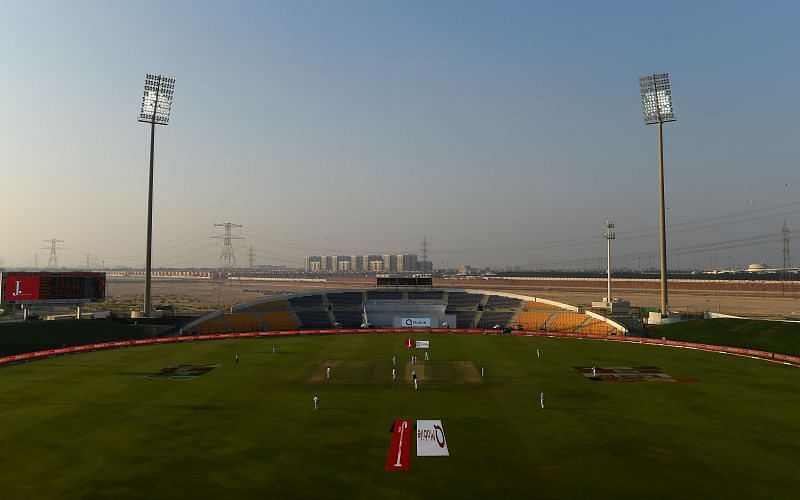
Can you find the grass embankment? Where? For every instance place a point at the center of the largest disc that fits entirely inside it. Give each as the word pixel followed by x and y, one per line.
pixel 772 336
pixel 21 337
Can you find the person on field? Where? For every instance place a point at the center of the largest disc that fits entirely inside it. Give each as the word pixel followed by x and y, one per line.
pixel 328 372
pixel 594 371
pixel 273 348
pixel 541 400
pixel 416 385
pixel 316 402
pixel 236 357
pixel 537 353
pixel 426 356
pixel 414 376
pixel 394 360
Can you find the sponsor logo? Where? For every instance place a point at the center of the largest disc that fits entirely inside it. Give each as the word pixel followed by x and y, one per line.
pixel 23 288
pixel 423 344
pixel 431 441
pixel 400 449
pixel 628 374
pixel 415 322
pixel 409 343
pixel 180 372
pixel 18 292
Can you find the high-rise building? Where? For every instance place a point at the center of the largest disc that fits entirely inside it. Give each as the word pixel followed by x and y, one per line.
pixel 387 263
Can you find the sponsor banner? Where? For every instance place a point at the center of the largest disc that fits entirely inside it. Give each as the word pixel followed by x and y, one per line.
pixel 409 343
pixel 400 449
pixel 423 344
pixel 21 288
pixel 430 439
pixel 415 322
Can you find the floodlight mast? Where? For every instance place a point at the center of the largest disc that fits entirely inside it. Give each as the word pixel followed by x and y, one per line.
pixel 657 108
pixel 609 235
pixel 156 107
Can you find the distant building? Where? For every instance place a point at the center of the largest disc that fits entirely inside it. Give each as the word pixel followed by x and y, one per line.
pixel 390 263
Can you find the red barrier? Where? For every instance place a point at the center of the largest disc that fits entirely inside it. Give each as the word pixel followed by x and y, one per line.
pixel 738 351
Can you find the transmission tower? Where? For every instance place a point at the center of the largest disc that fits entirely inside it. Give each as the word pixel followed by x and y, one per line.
pixel 227 259
pixel 53 260
pixel 425 266
pixel 787 260
pixel 250 256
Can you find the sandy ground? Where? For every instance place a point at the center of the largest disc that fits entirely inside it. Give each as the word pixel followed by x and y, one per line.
pixel 194 297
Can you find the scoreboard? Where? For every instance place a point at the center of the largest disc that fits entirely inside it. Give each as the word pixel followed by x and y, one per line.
pixel 44 287
pixel 405 281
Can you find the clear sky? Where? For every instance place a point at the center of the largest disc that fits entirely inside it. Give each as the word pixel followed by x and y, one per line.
pixel 504 132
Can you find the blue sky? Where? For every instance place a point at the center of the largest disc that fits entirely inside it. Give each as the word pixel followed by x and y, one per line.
pixel 338 127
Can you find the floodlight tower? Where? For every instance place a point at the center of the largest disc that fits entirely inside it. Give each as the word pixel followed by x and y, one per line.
pixel 156 107
pixel 657 108
pixel 609 235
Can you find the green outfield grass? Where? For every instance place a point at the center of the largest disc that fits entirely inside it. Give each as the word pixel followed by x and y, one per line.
pixel 771 336
pixel 20 337
pixel 93 426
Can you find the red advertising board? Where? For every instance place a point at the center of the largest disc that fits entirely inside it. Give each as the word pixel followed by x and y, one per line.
pixel 400 449
pixel 20 288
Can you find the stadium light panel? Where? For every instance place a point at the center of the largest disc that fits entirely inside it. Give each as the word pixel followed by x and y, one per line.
pixel 656 98
pixel 157 99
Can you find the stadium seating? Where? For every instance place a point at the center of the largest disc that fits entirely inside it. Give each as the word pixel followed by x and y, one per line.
pixel 597 327
pixel 211 326
pixel 278 305
pixel 501 302
pixel 491 318
pixel 529 304
pixel 242 322
pixel 348 319
pixel 279 320
pixel 426 295
pixel 463 300
pixel 306 302
pixel 346 300
pixel 322 310
pixel 465 319
pixel 532 320
pixel 384 295
pixel 312 318
pixel 566 322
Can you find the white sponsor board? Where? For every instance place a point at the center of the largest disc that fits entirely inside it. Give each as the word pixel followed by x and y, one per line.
pixel 415 322
pixel 423 344
pixel 430 439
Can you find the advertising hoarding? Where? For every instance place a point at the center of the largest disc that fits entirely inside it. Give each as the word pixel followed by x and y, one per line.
pixel 415 322
pixel 430 439
pixel 47 287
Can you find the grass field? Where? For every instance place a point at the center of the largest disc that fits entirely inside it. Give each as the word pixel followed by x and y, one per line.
pixel 771 336
pixel 19 337
pixel 94 426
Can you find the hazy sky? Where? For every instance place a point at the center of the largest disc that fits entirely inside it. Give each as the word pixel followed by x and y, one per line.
pixel 491 128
